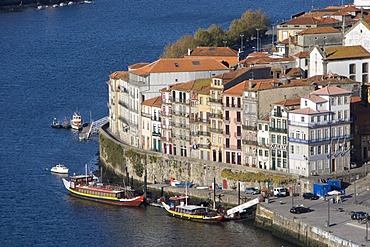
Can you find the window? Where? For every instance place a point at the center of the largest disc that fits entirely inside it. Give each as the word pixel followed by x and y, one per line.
pixel 278 139
pixel 260 152
pixel 352 68
pixel 305 103
pixel 266 127
pixel 312 150
pixel 302 119
pixel 318 149
pixel 365 68
pixel 364 78
pixel 292 149
pixel 260 126
pixel 266 153
pixel 201 100
pixel 273 138
pixel 284 139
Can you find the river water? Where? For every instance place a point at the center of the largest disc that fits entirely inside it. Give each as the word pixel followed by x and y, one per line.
pixel 56 61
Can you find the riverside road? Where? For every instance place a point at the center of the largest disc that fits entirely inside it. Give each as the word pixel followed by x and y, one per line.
pixel 334 218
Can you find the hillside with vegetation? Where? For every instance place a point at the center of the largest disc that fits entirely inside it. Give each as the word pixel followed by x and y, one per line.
pixel 245 28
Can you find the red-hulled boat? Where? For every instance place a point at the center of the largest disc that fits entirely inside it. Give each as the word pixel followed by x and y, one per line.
pixel 87 187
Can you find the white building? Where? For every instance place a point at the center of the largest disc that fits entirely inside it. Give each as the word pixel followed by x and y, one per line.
pixel 319 133
pixel 362 4
pixel 358 34
pixel 350 61
pixel 263 144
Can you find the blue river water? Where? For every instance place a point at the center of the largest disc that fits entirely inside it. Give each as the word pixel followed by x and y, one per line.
pixel 56 61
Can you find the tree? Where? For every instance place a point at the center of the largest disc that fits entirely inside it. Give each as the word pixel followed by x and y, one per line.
pixel 215 36
pixel 247 25
pixel 179 48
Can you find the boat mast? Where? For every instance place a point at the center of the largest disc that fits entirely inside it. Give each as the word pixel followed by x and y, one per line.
pixel 86 172
pixel 186 194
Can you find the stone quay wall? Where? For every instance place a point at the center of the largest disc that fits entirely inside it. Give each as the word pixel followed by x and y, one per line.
pixel 160 168
pixel 296 231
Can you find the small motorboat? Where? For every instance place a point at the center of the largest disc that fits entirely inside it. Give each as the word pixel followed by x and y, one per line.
pixel 61 169
pixel 66 124
pixel 56 124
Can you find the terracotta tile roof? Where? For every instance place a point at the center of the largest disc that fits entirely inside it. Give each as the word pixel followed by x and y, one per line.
pixel 306 111
pixel 179 65
pixel 331 90
pixel 265 60
pixel 355 99
pixel 302 54
pixel 204 90
pixel 367 18
pixel 350 8
pixel 153 102
pixel 227 77
pixel 137 65
pixel 314 98
pixel 327 20
pixel 258 54
pixel 319 30
pixel 294 72
pixel 194 85
pixel 237 90
pixel 289 102
pixel 213 51
pixel 119 75
pixel 323 80
pixel 344 52
pixel 301 20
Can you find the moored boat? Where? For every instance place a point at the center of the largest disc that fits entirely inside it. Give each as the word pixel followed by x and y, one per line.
pixel 56 124
pixel 65 124
pixel 180 209
pixel 76 121
pixel 87 187
pixel 175 183
pixel 60 169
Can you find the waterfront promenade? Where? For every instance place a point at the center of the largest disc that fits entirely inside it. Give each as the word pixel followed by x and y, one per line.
pixel 333 220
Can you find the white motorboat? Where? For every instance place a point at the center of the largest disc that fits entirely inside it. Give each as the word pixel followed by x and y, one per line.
pixel 60 169
pixel 76 121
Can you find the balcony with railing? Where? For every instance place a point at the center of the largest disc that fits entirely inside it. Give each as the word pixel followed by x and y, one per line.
pixel 155 118
pixel 155 133
pixel 122 103
pixel 249 127
pixel 279 130
pixel 219 101
pixel 203 133
pixel 148 115
pixel 216 115
pixel 250 142
pixel 206 146
pixel 181 101
pixel 220 131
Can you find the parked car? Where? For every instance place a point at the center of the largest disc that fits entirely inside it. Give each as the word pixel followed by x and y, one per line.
pixel 359 215
pixel 300 210
pixel 281 192
pixel 251 190
pixel 311 196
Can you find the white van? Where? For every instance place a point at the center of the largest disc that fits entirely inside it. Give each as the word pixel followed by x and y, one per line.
pixel 280 191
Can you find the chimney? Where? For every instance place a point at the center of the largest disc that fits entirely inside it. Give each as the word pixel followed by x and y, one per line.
pixel 189 52
pixel 250 84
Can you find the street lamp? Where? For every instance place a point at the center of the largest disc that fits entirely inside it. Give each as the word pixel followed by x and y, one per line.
pixel 241 42
pixel 258 39
pixel 328 219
